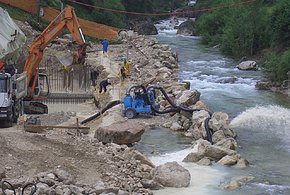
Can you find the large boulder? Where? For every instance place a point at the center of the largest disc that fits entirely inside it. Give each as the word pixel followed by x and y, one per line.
pixel 248 65
pixel 64 176
pixel 188 98
pixel 204 162
pixel 199 117
pixel 172 174
pixel 120 133
pixel 236 182
pixel 219 121
pixel 218 136
pixel 186 28
pixel 216 153
pixel 196 132
pixel 228 143
pixel 143 159
pixel 147 28
pixel 229 160
pixel 193 157
pixel 176 127
pixel 143 27
pixel 263 85
pixel 199 105
pixel 242 163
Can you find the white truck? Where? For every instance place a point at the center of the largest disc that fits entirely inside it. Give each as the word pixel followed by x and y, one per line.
pixel 13 89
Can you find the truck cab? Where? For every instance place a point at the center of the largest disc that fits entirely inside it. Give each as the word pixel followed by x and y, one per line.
pixel 6 98
pixel 12 91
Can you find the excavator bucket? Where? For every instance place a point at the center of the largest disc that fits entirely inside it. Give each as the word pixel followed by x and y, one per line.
pixel 66 60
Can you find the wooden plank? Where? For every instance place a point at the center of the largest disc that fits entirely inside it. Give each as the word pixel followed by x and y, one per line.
pixel 55 127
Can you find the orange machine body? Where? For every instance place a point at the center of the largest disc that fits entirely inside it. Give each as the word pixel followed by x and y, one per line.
pixel 67 19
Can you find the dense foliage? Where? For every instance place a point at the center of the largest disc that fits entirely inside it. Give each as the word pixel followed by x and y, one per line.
pixel 260 28
pixel 112 18
pixel 152 5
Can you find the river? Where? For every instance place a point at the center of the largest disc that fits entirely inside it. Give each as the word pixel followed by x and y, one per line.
pixel 260 118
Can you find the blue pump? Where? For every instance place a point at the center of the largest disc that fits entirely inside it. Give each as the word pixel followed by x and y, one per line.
pixel 138 100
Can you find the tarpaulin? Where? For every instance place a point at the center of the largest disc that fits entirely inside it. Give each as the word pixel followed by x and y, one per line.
pixel 11 37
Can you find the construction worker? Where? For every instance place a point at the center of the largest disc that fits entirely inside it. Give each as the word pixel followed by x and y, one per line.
pixel 122 73
pixel 103 85
pixel 94 77
pixel 67 76
pixel 127 67
pixel 105 44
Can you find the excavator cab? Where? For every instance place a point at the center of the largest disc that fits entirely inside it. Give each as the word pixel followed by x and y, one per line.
pixel 42 87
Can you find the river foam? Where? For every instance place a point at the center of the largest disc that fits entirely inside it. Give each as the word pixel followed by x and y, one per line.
pixel 204 179
pixel 268 118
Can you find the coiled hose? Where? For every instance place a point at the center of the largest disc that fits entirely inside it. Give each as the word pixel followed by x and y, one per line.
pixel 177 109
pixel 6 185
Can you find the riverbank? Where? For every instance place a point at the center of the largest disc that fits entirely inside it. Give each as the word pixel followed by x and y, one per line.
pixel 63 162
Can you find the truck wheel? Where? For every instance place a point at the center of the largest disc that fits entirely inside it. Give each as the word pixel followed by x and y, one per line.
pixel 9 122
pixel 130 113
pixel 15 113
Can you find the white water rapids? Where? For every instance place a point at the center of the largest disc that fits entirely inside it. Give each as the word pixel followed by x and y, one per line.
pixel 267 118
pixel 204 180
pixel 263 127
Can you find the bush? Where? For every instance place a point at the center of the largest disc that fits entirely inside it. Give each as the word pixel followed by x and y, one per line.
pixel 50 3
pixel 280 23
pixel 277 65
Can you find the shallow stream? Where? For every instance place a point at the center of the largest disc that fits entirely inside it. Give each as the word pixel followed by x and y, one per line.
pixel 260 118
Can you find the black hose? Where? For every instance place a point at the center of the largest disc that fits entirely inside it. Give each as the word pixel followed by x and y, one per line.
pixel 137 87
pixel 29 185
pixel 108 106
pixel 177 109
pixel 10 187
pixel 208 130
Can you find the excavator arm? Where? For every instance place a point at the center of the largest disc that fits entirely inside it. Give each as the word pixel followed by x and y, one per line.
pixel 67 19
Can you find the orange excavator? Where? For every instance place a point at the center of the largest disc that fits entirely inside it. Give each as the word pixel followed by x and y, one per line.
pixel 67 19
pixel 18 91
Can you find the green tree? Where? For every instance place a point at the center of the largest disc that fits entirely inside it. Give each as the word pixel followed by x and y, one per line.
pixel 277 65
pixel 138 5
pixel 280 23
pixel 108 17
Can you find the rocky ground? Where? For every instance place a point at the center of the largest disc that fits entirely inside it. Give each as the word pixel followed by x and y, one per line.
pixel 62 162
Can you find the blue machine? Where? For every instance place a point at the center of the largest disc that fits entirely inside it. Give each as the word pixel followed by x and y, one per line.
pixel 138 100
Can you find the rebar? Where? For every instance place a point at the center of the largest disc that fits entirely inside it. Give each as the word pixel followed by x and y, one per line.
pixel 71 86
